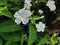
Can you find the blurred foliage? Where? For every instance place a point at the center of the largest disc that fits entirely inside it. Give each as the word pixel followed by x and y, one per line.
pixel 13 34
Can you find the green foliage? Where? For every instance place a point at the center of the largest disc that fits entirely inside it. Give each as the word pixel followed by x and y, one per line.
pixel 1 42
pixel 44 40
pixel 32 34
pixel 9 42
pixel 54 39
pixel 14 34
pixel 7 14
pixel 4 11
pixel 43 1
pixel 3 2
pixel 9 26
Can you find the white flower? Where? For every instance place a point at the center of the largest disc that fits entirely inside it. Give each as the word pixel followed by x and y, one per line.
pixel 40 11
pixel 40 27
pixel 27 1
pixel 22 16
pixel 36 1
pixel 27 5
pixel 58 44
pixel 59 38
pixel 51 5
pixel 52 8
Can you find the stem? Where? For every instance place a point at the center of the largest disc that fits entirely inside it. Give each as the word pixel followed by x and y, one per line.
pixel 39 18
pixel 22 39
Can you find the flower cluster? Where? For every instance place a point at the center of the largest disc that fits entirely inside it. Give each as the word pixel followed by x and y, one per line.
pixel 29 22
pixel 23 14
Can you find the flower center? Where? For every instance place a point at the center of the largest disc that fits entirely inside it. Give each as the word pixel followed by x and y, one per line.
pixel 22 16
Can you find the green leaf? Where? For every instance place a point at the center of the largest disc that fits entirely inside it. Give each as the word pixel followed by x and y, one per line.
pixel 4 11
pixel 15 43
pixel 44 40
pixel 10 42
pixel 9 26
pixel 1 42
pixel 37 17
pixel 7 14
pixel 14 1
pixel 32 34
pixel 3 2
pixel 13 36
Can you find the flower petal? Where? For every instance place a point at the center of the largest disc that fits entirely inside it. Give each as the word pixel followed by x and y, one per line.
pixel 18 20
pixel 25 21
pixel 27 13
pixel 40 30
pixel 22 11
pixel 17 15
pixel 37 26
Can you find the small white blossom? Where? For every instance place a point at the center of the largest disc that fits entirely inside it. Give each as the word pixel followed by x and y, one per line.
pixel 51 5
pixel 59 38
pixel 36 1
pixel 58 44
pixel 40 11
pixel 22 16
pixel 40 27
pixel 27 5
pixel 27 1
